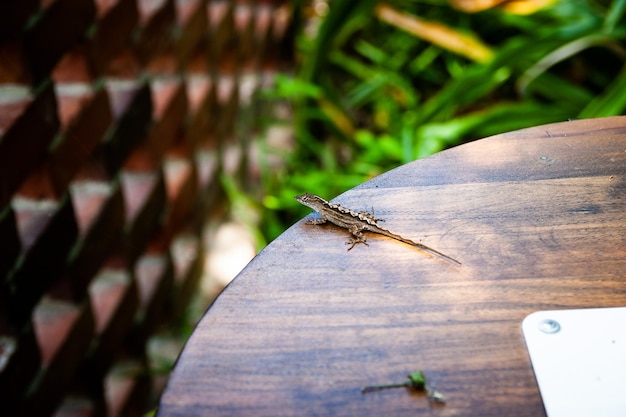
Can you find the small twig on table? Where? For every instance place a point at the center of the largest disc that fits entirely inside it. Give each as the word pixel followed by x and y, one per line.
pixel 417 381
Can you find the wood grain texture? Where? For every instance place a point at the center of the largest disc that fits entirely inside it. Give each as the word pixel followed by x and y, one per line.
pixel 538 219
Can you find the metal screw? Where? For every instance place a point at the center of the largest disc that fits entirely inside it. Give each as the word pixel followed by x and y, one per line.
pixel 549 326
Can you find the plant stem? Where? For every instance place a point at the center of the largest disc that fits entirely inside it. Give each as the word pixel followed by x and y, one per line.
pixel 373 388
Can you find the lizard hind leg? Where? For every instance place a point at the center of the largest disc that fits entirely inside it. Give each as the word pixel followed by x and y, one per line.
pixel 357 237
pixel 371 216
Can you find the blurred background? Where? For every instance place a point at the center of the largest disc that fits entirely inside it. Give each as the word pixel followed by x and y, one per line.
pixel 150 148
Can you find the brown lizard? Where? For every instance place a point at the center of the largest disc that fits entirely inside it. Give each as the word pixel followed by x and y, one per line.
pixel 357 223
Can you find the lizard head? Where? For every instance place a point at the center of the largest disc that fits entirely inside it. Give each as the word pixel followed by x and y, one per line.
pixel 310 200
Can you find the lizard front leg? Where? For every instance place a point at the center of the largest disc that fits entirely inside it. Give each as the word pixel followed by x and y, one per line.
pixel 357 237
pixel 316 221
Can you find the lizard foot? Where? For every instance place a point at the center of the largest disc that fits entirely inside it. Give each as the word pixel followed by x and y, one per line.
pixel 354 242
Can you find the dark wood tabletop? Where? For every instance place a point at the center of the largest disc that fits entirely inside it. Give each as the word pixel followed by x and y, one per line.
pixel 537 217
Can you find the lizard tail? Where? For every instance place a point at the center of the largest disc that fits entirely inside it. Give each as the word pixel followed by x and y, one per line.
pixel 423 247
pixel 436 252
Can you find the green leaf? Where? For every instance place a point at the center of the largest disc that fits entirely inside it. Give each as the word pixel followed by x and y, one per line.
pixel 614 15
pixel 418 380
pixel 611 103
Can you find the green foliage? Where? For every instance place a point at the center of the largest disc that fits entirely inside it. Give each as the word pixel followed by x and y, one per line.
pixel 370 95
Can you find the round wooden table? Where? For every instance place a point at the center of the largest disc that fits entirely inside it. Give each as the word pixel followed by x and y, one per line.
pixel 537 217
